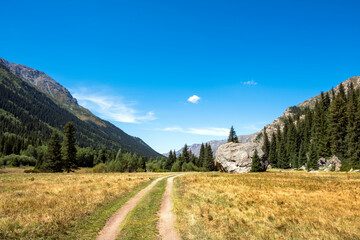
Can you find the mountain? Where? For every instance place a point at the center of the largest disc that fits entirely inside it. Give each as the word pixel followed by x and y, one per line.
pixel 310 103
pixel 32 104
pixel 320 133
pixel 215 144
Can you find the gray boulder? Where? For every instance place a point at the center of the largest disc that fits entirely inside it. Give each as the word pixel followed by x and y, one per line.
pixel 237 157
pixel 330 164
pixel 303 168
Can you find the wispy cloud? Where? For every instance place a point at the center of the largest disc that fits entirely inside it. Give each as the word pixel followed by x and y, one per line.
pixel 251 82
pixel 211 131
pixel 194 99
pixel 111 107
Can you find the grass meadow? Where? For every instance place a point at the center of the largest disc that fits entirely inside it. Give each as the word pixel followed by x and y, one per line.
pixel 34 206
pixel 272 205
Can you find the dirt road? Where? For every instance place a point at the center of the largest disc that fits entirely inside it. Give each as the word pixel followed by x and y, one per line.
pixel 167 218
pixel 112 226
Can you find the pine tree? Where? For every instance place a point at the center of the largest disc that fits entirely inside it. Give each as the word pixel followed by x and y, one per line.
pixel 185 154
pixel 353 128
pixel 53 161
pixel 232 136
pixel 324 148
pixel 69 149
pixel 169 162
pixel 338 123
pixel 201 156
pixel 256 163
pixel 266 146
pixel 272 152
pixel 209 159
pixel 312 158
pixel 291 143
pixel 302 159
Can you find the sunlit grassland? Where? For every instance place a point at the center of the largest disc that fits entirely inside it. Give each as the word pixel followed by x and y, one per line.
pixel 288 205
pixel 36 206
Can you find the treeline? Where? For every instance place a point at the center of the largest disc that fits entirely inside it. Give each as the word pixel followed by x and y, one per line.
pixel 331 128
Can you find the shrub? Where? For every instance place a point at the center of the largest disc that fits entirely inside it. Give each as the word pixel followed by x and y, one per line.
pixel 100 168
pixel 32 170
pixel 176 167
pixel 17 160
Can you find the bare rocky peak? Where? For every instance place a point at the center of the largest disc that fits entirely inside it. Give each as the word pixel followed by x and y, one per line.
pixel 41 81
pixel 215 144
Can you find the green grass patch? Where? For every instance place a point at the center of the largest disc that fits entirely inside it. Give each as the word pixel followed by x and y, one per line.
pixel 92 225
pixel 141 221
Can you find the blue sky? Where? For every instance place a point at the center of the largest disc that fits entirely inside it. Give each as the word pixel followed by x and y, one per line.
pixel 136 63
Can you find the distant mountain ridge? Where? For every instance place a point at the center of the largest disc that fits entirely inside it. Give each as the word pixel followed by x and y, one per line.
pixel 215 144
pixel 89 125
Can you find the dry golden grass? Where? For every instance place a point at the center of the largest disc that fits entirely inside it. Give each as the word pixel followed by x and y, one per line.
pixel 289 205
pixel 46 205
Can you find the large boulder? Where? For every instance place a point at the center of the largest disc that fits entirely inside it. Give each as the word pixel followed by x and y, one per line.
pixel 237 157
pixel 331 164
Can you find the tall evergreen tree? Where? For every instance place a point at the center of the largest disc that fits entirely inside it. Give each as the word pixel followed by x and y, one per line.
pixel 266 146
pixel 202 155
pixel 232 136
pixel 69 149
pixel 338 123
pixel 353 128
pixel 185 154
pixel 272 152
pixel 291 143
pixel 324 148
pixel 209 159
pixel 53 161
pixel 312 157
pixel 302 159
pixel 256 163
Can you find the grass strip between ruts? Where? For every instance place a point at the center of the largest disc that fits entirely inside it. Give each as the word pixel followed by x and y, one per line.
pixel 141 221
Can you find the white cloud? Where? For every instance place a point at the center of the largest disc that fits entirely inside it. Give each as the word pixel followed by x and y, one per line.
pixel 194 99
pixel 251 82
pixel 211 131
pixel 111 107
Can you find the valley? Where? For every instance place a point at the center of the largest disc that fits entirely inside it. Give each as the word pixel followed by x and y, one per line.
pixel 276 204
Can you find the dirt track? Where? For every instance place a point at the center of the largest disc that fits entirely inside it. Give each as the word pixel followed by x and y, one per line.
pixel 112 227
pixel 167 218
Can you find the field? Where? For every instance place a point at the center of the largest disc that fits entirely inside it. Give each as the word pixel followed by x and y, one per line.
pixel 272 205
pixel 51 205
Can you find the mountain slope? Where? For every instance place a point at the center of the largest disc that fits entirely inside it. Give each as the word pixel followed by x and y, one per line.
pixel 28 112
pixel 310 103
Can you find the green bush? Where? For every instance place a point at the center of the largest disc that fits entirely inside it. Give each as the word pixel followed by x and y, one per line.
pixel 17 161
pixel 189 167
pixel 176 167
pixel 100 168
pixel 32 170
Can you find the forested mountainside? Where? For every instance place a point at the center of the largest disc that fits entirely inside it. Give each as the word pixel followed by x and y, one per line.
pixel 28 117
pixel 321 127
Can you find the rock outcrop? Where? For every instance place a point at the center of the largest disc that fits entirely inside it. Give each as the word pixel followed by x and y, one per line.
pixel 331 164
pixel 215 144
pixel 236 157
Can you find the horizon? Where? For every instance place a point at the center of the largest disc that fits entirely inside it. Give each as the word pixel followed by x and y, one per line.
pixel 184 73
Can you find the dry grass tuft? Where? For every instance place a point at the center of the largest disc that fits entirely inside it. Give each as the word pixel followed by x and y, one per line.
pixel 290 205
pixel 46 205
